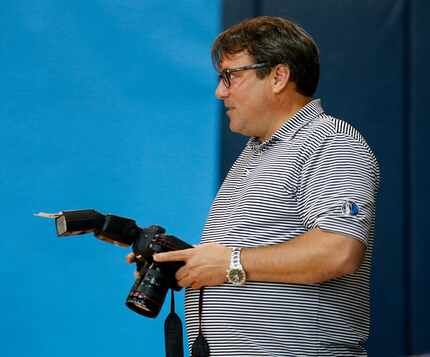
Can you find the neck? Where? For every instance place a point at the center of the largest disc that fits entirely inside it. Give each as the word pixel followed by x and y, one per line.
pixel 282 112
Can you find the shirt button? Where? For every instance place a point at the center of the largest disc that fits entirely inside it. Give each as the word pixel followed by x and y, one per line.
pixel 246 172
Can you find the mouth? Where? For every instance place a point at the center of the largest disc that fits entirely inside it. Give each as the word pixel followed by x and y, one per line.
pixel 229 109
pixel 229 112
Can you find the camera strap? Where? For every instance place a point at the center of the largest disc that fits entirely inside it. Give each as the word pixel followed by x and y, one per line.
pixel 200 346
pixel 173 332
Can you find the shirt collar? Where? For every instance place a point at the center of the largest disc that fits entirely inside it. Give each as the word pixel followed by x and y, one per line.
pixel 290 127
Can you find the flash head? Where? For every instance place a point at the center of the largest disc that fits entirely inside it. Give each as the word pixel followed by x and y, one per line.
pixel 112 229
pixel 71 223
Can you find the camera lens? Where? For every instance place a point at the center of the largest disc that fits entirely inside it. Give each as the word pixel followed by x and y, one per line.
pixel 147 295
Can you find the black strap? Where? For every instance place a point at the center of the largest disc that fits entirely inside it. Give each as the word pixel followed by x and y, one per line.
pixel 200 346
pixel 200 309
pixel 172 302
pixel 173 332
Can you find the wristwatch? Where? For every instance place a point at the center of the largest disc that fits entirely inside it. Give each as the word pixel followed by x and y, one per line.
pixel 235 273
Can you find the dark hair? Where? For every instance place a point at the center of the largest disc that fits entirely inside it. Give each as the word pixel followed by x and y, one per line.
pixel 273 40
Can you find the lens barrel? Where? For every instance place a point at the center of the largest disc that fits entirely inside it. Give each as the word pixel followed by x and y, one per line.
pixel 147 294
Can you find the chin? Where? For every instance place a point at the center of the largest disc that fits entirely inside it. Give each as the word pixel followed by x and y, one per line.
pixel 237 130
pixel 234 127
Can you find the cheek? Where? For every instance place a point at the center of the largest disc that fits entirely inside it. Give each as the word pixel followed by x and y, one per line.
pixel 251 99
pixel 254 102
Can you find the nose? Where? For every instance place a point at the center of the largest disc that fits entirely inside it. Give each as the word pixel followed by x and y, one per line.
pixel 221 91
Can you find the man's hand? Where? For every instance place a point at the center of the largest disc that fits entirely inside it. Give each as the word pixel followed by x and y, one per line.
pixel 205 264
pixel 130 258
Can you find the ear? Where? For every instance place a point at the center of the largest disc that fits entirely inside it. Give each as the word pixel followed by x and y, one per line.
pixel 281 76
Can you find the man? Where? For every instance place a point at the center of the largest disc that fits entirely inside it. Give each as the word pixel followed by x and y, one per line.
pixel 285 254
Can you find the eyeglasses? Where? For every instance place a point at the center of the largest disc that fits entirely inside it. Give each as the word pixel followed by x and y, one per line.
pixel 225 74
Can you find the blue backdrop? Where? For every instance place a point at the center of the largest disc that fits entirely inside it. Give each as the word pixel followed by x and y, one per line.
pixel 105 104
pixel 109 104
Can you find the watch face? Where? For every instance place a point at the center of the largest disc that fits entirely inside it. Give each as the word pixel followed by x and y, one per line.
pixel 236 276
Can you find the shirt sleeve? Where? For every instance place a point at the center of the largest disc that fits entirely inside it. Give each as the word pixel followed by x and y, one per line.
pixel 338 187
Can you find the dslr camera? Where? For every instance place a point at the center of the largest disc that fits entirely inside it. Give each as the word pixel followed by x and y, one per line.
pixel 148 292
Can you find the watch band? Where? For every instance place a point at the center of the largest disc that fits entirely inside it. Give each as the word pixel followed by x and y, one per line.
pixel 236 274
pixel 235 258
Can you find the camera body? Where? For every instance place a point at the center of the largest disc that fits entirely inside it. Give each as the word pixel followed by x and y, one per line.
pixel 148 292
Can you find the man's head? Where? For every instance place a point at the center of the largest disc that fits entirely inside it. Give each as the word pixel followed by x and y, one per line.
pixel 273 41
pixel 269 67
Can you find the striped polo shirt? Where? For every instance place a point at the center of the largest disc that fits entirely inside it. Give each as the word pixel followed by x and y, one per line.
pixel 316 171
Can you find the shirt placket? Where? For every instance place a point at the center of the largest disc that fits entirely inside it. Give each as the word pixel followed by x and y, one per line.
pixel 252 164
pixel 241 186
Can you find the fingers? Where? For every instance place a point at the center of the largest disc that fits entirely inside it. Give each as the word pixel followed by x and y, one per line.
pixel 184 277
pixel 189 282
pixel 173 256
pixel 130 258
pixel 185 282
pixel 196 285
pixel 181 273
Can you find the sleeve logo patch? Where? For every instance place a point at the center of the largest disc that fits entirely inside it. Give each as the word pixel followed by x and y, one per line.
pixel 350 208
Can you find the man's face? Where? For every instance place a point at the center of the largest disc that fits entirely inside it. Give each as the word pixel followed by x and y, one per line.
pixel 247 99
